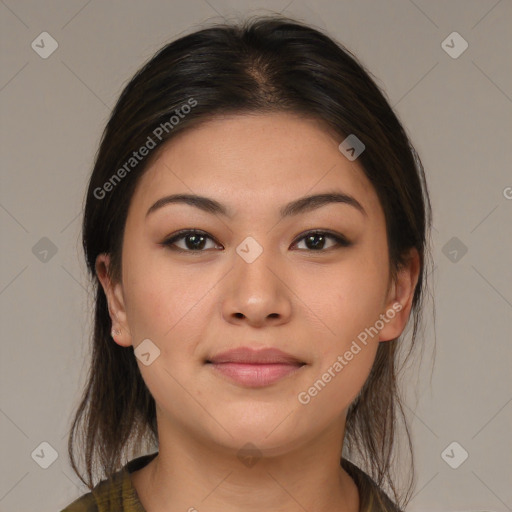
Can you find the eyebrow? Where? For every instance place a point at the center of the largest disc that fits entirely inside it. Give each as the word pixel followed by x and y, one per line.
pixel 302 205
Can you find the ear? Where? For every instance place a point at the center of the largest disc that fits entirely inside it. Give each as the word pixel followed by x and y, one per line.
pixel 115 299
pixel 399 299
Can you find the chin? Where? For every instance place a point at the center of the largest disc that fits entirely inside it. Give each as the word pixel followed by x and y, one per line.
pixel 267 433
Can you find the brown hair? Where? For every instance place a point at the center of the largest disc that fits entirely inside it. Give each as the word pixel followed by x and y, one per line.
pixel 261 65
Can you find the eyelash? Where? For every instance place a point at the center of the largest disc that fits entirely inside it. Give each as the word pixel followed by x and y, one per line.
pixel 340 240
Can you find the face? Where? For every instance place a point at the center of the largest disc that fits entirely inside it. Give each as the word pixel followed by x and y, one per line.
pixel 310 279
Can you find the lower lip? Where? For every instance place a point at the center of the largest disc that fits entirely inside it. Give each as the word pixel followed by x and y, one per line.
pixel 255 375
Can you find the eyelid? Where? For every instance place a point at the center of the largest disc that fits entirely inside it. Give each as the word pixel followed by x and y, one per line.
pixel 341 240
pixel 182 233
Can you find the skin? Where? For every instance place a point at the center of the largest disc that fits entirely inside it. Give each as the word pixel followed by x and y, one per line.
pixel 310 303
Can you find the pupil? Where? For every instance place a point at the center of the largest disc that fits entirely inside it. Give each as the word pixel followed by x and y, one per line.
pixel 315 245
pixel 197 241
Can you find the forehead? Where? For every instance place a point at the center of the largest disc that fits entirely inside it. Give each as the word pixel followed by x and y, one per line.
pixel 254 162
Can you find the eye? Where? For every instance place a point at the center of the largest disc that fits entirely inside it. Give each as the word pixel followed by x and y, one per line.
pixel 315 240
pixel 194 241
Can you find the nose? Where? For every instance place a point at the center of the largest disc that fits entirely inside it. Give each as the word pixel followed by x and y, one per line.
pixel 257 293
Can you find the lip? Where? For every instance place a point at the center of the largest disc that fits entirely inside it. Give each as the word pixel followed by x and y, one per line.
pixel 255 368
pixel 255 356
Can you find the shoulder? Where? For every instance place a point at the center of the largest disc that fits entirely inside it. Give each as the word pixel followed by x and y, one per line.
pixel 372 498
pixel 86 503
pixel 113 494
pixel 105 497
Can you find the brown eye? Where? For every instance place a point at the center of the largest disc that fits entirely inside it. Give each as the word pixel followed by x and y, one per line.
pixel 193 241
pixel 316 240
pixel 197 241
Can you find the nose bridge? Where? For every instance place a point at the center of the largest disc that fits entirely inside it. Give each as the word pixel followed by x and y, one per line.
pixel 256 290
pixel 253 260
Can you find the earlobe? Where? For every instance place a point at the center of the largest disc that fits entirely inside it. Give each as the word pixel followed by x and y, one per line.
pixel 400 299
pixel 120 332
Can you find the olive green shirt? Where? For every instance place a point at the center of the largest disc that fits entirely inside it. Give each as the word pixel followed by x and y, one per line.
pixel 117 494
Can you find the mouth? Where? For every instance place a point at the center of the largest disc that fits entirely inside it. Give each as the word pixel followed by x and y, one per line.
pixel 255 368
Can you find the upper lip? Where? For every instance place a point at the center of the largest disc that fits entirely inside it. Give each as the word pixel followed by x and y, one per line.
pixel 255 356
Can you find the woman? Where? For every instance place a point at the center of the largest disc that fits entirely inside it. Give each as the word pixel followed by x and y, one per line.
pixel 256 225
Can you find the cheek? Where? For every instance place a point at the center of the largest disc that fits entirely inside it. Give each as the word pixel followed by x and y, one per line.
pixel 161 299
pixel 342 300
pixel 344 351
pixel 340 381
pixel 351 311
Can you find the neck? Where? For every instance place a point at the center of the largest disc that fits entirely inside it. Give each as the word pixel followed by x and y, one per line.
pixel 191 474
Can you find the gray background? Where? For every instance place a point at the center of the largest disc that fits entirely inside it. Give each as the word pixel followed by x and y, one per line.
pixel 457 112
